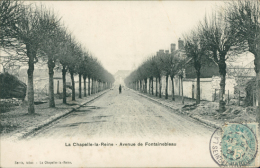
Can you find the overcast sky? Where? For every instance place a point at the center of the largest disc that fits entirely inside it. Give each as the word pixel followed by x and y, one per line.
pixel 122 34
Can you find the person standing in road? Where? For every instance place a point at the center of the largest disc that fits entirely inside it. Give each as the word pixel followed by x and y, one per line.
pixel 120 88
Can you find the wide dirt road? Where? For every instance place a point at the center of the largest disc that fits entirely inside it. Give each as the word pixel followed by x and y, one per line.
pixel 123 128
pixel 125 115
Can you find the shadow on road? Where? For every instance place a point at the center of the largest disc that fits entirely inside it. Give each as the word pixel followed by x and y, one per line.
pixel 79 123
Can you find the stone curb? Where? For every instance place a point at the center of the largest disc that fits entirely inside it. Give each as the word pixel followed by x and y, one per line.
pixel 208 123
pixel 30 130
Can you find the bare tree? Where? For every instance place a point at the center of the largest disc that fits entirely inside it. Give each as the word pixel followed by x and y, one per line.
pixel 80 68
pixel 165 66
pixel 10 12
pixel 157 73
pixel 13 53
pixel 32 26
pixel 52 47
pixel 73 63
pixel 64 60
pixel 244 17
pixel 83 66
pixel 218 37
pixel 196 51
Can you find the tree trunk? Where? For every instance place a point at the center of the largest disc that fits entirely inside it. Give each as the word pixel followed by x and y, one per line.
pixel 257 70
pixel 31 54
pixel 222 72
pixel 166 87
pixel 173 96
pixel 198 88
pixel 92 86
pixel 179 86
pixel 182 100
pixel 80 86
pixel 97 82
pixel 145 85
pixel 99 86
pixel 138 84
pixel 254 48
pixel 160 87
pixel 221 93
pixel 85 87
pixel 89 86
pixel 73 86
pixel 258 96
pixel 64 84
pixel 156 90
pixel 149 85
pixel 95 86
pixel 141 88
pixel 152 84
pixel 51 88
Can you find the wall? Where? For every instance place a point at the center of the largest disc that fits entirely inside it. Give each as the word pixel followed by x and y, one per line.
pixel 229 87
pixel 207 87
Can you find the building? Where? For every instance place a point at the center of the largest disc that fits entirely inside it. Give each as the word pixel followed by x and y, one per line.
pixel 120 76
pixel 209 77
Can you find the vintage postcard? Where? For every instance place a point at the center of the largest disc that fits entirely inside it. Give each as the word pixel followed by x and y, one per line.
pixel 129 83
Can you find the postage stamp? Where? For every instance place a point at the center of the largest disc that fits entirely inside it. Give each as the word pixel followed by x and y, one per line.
pixel 235 145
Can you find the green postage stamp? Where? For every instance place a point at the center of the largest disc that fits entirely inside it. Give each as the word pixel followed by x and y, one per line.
pixel 235 145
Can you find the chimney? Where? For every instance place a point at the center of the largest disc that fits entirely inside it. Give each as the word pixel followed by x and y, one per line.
pixel 161 51
pixel 180 44
pixel 167 51
pixel 173 47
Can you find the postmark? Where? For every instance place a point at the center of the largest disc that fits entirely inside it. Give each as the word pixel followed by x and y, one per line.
pixel 235 144
pixel 215 146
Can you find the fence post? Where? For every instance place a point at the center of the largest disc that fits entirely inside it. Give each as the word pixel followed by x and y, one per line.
pixel 215 96
pixel 228 97
pixel 219 95
pixel 253 97
pixel 238 98
pixel 58 87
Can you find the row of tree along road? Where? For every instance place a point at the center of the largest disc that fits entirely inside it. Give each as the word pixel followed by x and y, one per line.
pixel 30 33
pixel 226 33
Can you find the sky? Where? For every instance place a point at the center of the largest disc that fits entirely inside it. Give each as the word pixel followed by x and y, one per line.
pixel 122 34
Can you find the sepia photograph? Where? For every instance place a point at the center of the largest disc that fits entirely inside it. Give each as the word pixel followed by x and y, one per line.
pixel 129 83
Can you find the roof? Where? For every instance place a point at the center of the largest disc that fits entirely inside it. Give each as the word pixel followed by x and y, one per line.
pixel 207 70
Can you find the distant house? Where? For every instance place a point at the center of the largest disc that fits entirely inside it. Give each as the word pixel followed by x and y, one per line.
pixel 120 76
